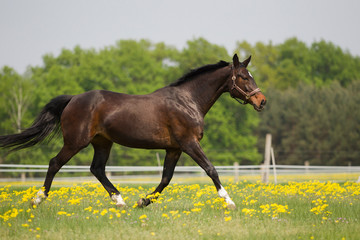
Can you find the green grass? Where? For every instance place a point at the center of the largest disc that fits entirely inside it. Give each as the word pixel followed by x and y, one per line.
pixel 188 211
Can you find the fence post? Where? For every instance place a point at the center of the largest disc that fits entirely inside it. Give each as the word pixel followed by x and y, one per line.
pixel 23 177
pixel 262 172
pixel 307 164
pixel 265 174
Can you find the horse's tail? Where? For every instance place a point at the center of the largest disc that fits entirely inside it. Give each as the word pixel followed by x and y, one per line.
pixel 46 125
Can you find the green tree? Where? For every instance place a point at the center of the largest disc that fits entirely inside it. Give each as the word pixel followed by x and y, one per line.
pixel 311 91
pixel 316 124
pixel 287 64
pixel 330 62
pixel 14 102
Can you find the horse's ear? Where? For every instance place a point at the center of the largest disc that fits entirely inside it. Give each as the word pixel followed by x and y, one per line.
pixel 246 62
pixel 236 61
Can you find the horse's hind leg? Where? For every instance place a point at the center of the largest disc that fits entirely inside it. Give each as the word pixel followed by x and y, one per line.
pixel 102 148
pixel 171 158
pixel 65 154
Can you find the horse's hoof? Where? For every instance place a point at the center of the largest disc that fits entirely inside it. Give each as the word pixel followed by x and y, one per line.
pixel 231 206
pixel 39 198
pixel 141 203
pixel 119 202
pixel 33 203
pixel 121 205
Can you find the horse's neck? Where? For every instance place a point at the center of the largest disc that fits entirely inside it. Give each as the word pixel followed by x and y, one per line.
pixel 207 88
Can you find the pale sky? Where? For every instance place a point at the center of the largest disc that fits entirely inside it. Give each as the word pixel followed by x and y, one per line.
pixel 31 28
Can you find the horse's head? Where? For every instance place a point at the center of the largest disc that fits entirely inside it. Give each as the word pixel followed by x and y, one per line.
pixel 243 86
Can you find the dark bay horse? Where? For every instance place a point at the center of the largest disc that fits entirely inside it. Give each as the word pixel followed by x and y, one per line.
pixel 171 118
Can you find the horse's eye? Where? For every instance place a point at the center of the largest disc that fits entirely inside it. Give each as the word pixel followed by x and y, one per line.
pixel 243 76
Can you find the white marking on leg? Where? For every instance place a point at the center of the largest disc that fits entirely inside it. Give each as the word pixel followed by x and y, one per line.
pixel 223 194
pixel 40 196
pixel 118 200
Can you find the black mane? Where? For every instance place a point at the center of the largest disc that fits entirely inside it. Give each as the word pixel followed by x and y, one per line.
pixel 190 75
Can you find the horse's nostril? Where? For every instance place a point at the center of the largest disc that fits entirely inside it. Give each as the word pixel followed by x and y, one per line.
pixel 263 102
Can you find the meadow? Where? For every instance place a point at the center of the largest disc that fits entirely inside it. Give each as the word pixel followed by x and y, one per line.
pixel 292 210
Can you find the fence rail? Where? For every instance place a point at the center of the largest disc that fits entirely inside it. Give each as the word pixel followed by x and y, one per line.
pixel 347 172
pixel 178 168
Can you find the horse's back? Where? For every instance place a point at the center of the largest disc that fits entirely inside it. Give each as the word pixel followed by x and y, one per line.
pixel 131 120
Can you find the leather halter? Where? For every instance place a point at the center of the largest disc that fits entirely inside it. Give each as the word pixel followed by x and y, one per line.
pixel 242 92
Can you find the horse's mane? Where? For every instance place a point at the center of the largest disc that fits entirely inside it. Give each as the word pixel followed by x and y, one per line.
pixel 195 72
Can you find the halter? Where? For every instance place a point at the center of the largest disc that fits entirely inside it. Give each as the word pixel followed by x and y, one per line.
pixel 242 92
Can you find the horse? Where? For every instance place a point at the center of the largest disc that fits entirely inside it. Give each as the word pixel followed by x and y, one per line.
pixel 170 118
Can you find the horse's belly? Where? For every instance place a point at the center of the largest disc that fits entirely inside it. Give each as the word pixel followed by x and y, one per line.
pixel 136 140
pixel 141 134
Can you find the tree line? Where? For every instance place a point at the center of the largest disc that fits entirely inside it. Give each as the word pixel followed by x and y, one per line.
pixel 312 99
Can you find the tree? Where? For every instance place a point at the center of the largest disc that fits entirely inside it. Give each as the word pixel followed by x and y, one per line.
pixel 292 62
pixel 316 124
pixel 14 113
pixel 14 100
pixel 315 84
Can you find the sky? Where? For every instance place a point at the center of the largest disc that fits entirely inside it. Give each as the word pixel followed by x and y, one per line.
pixel 31 29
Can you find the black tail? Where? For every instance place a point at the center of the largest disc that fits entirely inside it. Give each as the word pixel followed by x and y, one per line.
pixel 47 124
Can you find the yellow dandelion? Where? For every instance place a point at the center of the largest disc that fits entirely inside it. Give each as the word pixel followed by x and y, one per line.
pixel 103 212
pixel 88 209
pixel 199 204
pixel 186 212
pixel 142 217
pixel 173 213
pixel 74 201
pixel 196 209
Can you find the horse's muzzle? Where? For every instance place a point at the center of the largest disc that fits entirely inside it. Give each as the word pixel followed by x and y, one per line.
pixel 258 101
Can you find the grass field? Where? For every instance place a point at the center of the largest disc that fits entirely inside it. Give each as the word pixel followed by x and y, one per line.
pixel 293 210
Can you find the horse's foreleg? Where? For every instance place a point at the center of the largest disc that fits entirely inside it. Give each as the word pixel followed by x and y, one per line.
pixel 194 150
pixel 55 165
pixel 102 149
pixel 171 158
